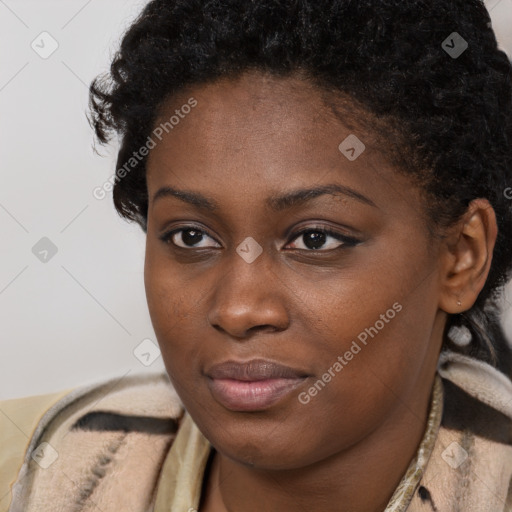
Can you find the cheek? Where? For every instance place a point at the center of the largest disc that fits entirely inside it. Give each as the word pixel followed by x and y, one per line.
pixel 177 310
pixel 379 323
pixel 169 296
pixel 171 310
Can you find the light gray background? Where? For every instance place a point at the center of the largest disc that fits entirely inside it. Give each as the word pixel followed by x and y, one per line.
pixel 78 317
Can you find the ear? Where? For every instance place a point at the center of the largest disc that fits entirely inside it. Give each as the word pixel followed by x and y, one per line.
pixel 466 257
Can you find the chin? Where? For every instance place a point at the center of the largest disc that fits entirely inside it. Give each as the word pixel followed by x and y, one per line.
pixel 258 448
pixel 263 456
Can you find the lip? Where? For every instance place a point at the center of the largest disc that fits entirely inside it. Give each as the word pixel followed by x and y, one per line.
pixel 253 385
pixel 253 370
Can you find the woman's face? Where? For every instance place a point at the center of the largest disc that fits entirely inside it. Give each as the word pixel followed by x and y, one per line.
pixel 250 274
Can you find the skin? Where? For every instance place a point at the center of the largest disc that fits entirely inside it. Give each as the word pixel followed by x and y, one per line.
pixel 249 139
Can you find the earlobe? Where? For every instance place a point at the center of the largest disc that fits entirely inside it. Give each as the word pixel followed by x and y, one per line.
pixel 467 255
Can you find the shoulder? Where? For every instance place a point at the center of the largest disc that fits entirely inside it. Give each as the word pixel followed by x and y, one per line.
pixel 471 462
pixel 95 437
pixel 18 419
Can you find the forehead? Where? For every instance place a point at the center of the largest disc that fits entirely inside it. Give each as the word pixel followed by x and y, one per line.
pixel 257 105
pixel 258 135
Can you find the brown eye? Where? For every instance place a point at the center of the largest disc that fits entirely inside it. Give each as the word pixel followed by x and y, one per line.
pixel 188 238
pixel 316 238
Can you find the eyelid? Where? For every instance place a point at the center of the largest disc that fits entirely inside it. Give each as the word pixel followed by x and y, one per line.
pixel 346 240
pixel 168 234
pixel 329 231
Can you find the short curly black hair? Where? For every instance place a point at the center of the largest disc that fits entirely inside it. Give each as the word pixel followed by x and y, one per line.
pixel 448 117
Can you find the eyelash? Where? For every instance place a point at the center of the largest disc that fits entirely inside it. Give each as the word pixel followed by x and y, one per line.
pixel 347 241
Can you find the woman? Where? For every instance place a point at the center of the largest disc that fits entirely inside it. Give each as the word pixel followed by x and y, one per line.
pixel 323 189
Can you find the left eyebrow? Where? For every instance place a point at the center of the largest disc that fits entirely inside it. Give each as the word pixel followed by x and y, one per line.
pixel 276 203
pixel 187 196
pixel 300 196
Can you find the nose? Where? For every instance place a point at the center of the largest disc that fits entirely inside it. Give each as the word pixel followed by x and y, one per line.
pixel 249 297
